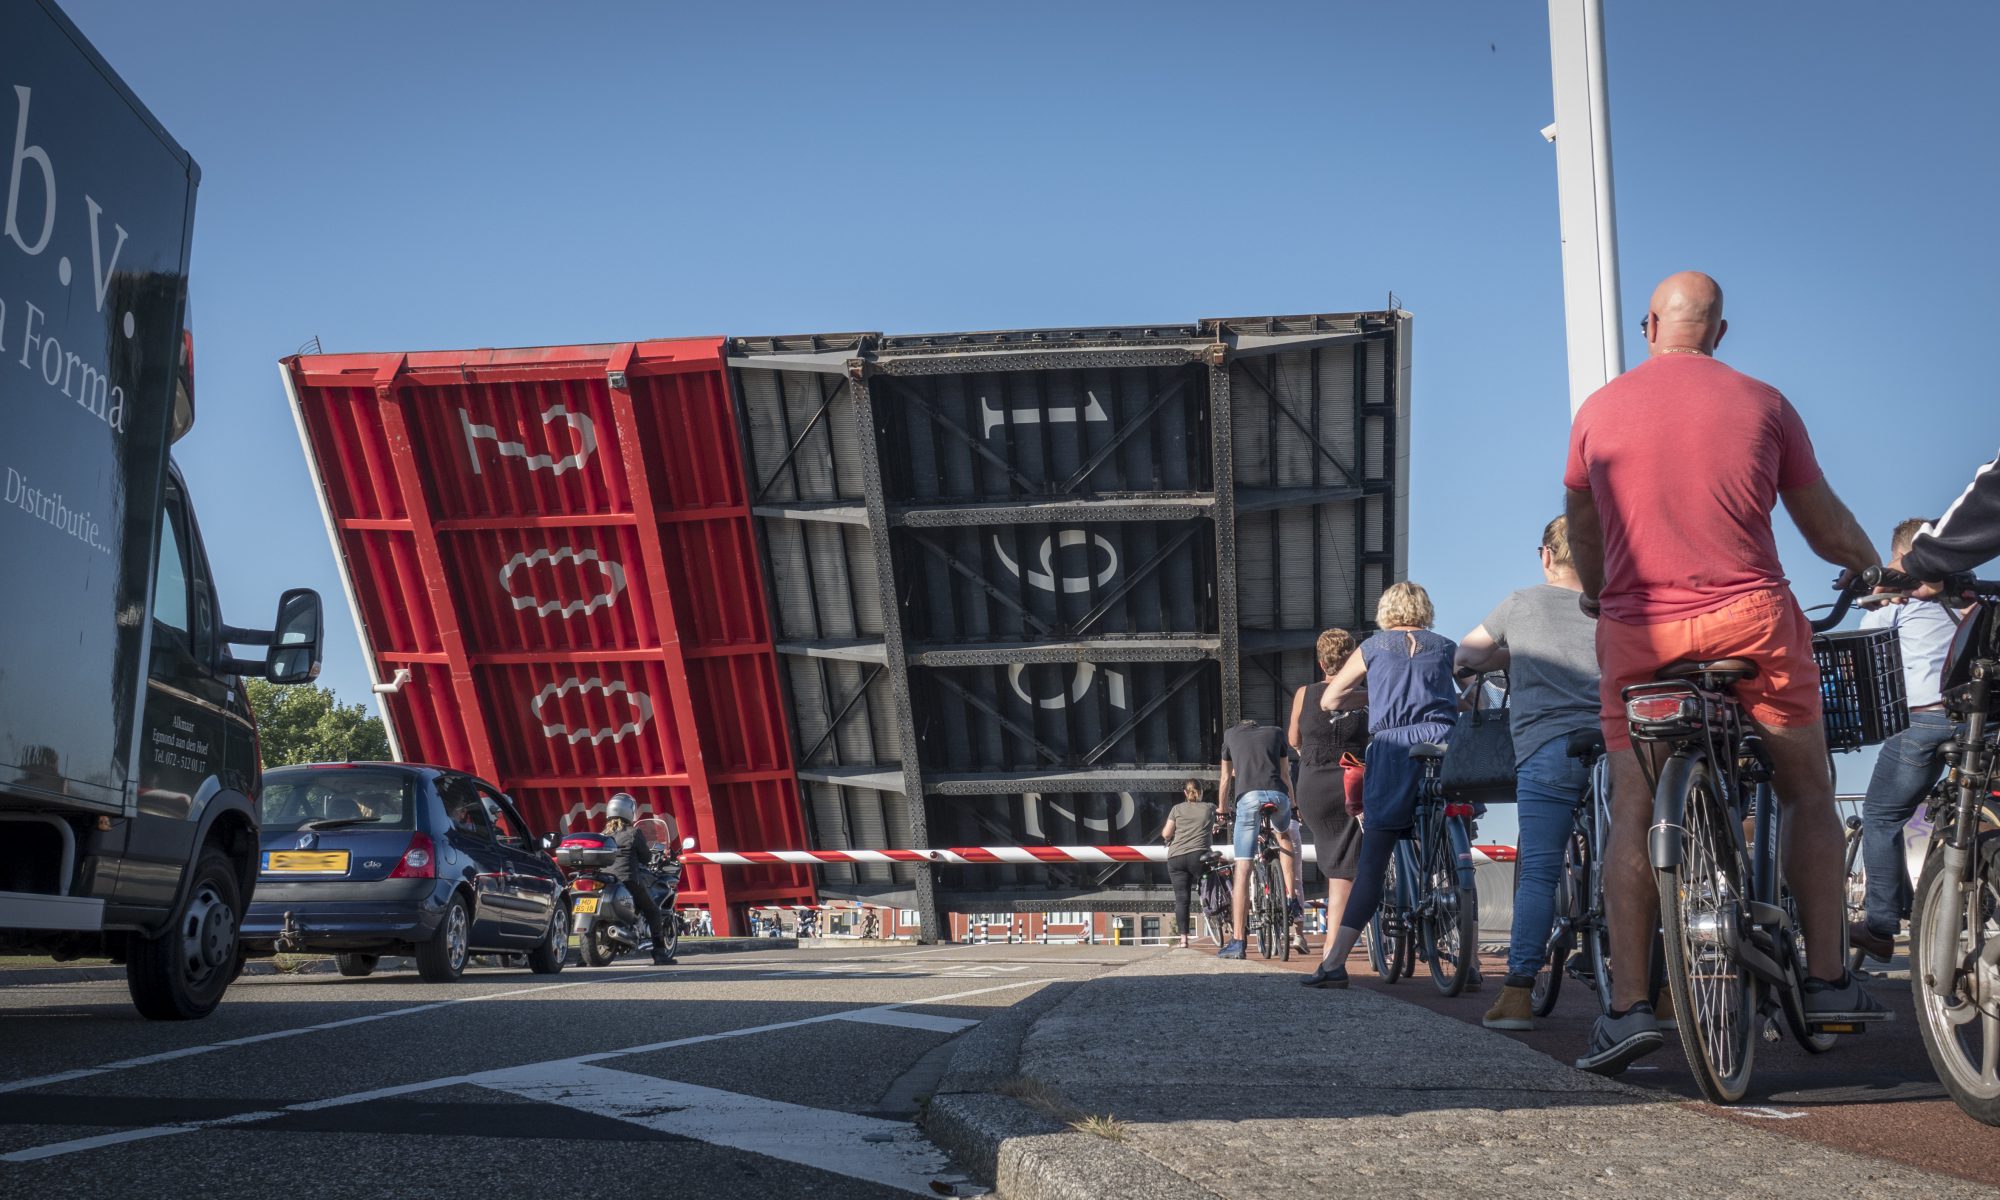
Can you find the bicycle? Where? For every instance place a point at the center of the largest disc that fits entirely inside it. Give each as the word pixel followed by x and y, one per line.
pixel 1430 902
pixel 1579 945
pixel 1218 889
pixel 1270 904
pixel 1733 947
pixel 1955 916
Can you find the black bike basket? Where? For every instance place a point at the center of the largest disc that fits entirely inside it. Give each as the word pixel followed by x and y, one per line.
pixel 1861 687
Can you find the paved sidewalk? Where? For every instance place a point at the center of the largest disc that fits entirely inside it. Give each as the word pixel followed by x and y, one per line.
pixel 1229 1079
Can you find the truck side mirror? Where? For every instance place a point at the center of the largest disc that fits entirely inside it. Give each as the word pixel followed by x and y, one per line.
pixel 295 638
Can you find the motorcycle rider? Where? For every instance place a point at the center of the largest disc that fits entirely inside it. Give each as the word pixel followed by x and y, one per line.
pixel 631 865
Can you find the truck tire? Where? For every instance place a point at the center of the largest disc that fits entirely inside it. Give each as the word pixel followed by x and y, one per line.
pixel 180 975
pixel 356 966
pixel 443 958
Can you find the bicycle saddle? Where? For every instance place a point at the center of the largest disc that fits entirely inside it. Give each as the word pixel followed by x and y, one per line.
pixel 1427 750
pixel 1585 743
pixel 1725 670
pixel 1269 807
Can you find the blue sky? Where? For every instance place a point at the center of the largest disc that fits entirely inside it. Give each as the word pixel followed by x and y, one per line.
pixel 433 176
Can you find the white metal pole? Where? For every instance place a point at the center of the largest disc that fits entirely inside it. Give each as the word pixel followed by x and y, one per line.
pixel 1593 318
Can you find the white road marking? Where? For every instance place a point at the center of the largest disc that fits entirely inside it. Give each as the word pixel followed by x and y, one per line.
pixel 909 1020
pixel 147 1060
pixel 891 1153
pixel 55 1149
pixel 607 975
pixel 1767 1113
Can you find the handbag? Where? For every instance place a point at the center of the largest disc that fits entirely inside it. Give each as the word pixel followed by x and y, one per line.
pixel 1479 759
pixel 1351 769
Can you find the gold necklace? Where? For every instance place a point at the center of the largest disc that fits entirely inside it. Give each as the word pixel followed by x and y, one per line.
pixel 1684 350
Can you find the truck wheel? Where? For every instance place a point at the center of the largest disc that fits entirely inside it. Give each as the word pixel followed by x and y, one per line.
pixel 181 974
pixel 356 966
pixel 548 958
pixel 442 959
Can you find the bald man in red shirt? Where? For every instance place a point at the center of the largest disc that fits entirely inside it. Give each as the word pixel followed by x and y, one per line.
pixel 1674 468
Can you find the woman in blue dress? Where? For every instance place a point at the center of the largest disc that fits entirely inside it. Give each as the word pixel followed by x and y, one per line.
pixel 1406 671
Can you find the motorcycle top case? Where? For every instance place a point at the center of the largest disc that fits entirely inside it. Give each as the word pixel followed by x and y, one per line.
pixel 582 852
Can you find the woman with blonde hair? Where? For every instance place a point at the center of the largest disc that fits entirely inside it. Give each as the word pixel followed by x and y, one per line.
pixel 1322 740
pixel 1411 700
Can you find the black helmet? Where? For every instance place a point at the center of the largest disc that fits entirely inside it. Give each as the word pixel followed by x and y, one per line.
pixel 621 807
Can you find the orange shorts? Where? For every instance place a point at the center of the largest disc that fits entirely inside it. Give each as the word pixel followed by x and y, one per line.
pixel 1765 627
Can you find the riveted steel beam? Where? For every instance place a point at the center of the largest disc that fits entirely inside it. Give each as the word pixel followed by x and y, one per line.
pixel 896 661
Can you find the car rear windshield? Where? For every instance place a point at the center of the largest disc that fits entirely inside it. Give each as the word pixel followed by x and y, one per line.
pixel 337 798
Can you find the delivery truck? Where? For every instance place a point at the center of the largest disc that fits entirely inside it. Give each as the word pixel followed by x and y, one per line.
pixel 128 756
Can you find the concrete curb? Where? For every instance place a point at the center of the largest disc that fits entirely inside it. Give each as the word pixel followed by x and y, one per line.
pixel 97 973
pixel 1025 1151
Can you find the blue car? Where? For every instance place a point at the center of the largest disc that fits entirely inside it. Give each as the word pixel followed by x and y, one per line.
pixel 366 859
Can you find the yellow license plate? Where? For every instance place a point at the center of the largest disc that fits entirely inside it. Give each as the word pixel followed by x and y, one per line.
pixel 586 904
pixel 314 862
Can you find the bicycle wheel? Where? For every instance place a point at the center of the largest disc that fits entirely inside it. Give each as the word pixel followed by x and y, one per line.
pixel 1388 936
pixel 1449 923
pixel 1957 1012
pixel 1857 889
pixel 1260 906
pixel 1715 1000
pixel 1572 907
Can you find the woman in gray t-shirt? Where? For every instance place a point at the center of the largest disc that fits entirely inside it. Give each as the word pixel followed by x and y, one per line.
pixel 1187 833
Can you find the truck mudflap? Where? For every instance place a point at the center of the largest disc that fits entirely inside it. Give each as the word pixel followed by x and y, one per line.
pixel 69 914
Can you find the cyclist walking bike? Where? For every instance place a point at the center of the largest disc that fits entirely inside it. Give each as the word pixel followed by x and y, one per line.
pixel 1735 953
pixel 1430 904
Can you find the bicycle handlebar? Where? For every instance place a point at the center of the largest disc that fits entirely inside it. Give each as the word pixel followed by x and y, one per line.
pixel 1875 578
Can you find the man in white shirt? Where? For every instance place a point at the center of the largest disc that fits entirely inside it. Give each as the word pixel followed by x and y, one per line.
pixel 1910 762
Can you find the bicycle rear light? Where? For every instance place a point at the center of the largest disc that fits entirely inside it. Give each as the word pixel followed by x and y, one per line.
pixel 1661 710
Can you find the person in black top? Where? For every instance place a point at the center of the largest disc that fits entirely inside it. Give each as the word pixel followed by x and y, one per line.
pixel 1256 770
pixel 1322 738
pixel 632 866
pixel 1967 535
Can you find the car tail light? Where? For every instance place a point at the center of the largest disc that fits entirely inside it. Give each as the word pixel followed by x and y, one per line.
pixel 1653 710
pixel 419 861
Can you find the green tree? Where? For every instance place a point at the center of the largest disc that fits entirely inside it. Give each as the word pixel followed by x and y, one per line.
pixel 305 723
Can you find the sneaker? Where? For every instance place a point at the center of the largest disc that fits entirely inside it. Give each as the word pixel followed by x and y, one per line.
pixel 1873 944
pixel 1232 950
pixel 1615 1042
pixel 1846 1002
pixel 1513 1011
pixel 1324 976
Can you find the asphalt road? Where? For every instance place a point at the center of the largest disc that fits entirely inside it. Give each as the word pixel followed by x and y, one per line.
pixel 758 1074
pixel 1874 1093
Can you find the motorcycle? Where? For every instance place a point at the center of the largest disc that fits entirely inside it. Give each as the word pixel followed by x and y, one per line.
pixel 606 922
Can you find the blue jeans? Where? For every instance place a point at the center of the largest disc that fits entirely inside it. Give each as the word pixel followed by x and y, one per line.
pixel 1250 806
pixel 1549 785
pixel 1910 762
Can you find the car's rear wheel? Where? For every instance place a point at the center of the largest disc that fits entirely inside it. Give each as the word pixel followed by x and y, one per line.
pixel 181 974
pixel 442 959
pixel 548 957
pixel 356 966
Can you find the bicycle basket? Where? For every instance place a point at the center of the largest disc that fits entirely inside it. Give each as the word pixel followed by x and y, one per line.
pixel 1861 687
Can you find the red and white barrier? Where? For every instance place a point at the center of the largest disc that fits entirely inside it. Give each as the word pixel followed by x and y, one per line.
pixel 977 855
